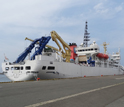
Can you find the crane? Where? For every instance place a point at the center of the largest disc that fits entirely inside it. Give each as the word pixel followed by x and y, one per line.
pixel 66 47
pixel 42 42
pixel 46 45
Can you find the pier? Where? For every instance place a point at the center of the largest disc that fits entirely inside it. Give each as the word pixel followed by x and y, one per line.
pixel 102 91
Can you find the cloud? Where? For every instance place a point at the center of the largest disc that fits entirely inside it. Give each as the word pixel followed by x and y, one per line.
pixel 118 8
pixel 107 9
pixel 99 8
pixel 33 13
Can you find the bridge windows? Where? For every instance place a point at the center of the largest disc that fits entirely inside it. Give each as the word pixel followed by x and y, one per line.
pixel 83 50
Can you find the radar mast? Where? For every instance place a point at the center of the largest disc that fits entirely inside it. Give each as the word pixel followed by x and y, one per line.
pixel 86 37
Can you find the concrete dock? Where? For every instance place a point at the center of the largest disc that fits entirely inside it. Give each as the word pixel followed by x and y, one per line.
pixel 105 91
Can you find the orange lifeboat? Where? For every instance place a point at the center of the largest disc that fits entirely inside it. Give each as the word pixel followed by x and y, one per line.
pixel 105 56
pixel 100 55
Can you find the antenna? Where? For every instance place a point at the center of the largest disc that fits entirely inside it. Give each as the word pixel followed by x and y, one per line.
pixel 119 50
pixel 86 37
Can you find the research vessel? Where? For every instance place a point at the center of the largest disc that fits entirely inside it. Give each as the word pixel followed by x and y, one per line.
pixel 48 62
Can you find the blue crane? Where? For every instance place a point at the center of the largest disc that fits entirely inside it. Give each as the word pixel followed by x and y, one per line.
pixel 42 42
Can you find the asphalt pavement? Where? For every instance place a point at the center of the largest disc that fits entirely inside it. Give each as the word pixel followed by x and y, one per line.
pixel 105 91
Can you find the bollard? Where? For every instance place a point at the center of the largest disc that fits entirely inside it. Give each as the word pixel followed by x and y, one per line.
pixel 38 79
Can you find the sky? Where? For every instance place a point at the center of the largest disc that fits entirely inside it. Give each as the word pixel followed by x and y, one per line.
pixel 37 18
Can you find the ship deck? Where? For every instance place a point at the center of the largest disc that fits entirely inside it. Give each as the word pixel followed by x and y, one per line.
pixel 105 91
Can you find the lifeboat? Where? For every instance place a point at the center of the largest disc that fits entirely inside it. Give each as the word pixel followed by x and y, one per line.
pixel 100 55
pixel 105 56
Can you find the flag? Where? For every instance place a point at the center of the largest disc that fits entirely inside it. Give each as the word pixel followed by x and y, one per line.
pixel 6 57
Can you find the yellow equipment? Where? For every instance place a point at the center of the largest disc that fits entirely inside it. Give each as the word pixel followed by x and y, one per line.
pixel 66 47
pixel 46 45
pixel 104 46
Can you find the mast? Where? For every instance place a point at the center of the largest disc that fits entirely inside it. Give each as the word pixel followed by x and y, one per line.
pixel 105 47
pixel 86 37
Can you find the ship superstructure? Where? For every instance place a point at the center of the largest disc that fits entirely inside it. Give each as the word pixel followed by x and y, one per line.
pixel 71 61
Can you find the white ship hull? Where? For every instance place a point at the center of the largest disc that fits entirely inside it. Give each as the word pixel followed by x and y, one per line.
pixel 47 68
pixel 70 70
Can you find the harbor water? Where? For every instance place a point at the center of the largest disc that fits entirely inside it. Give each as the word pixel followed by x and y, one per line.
pixel 3 78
